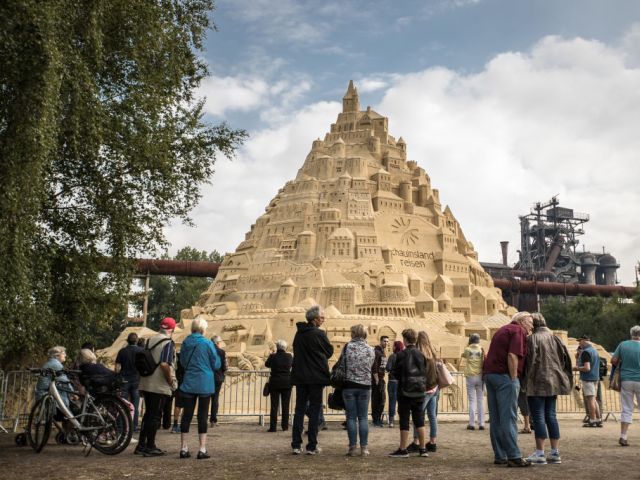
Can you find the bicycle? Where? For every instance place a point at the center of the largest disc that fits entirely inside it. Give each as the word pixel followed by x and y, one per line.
pixel 102 422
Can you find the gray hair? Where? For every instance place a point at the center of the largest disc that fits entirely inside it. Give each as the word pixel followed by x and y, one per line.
pixel 281 345
pixel 635 331
pixel 216 339
pixel 474 338
pixel 538 320
pixel 520 316
pixel 358 331
pixel 199 325
pixel 56 352
pixel 313 313
pixel 86 356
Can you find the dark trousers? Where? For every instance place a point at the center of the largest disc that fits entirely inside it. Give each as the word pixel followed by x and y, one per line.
pixel 276 397
pixel 189 405
pixel 377 401
pixel 167 411
pixel 410 408
pixel 215 402
pixel 130 392
pixel 153 404
pixel 313 395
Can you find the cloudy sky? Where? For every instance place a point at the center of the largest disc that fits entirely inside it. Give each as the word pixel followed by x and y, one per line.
pixel 503 103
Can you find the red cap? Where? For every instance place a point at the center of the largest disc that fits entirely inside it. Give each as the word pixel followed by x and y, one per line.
pixel 168 323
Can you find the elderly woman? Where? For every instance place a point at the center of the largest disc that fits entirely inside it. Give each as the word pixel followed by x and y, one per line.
pixel 199 359
pixel 57 356
pixel 357 357
pixel 627 359
pixel 279 384
pixel 548 367
pixel 474 356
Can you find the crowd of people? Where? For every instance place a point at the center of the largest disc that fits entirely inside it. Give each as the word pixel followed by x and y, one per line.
pixel 526 366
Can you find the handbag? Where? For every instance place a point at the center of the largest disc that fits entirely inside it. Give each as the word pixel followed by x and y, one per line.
pixel 615 382
pixel 335 400
pixel 339 371
pixel 265 390
pixel 444 375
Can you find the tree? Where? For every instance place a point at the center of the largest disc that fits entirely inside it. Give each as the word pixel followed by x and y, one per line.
pixel 102 142
pixel 170 295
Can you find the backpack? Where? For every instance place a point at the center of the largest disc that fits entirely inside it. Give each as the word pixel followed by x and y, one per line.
pixel 413 381
pixel 144 361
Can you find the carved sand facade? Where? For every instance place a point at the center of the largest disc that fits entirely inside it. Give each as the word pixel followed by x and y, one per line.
pixel 361 232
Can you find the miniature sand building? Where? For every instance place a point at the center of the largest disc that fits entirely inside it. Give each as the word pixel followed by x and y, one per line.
pixel 361 232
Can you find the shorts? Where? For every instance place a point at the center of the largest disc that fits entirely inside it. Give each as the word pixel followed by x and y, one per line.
pixel 589 389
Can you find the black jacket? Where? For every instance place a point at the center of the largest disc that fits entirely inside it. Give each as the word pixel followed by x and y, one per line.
pixel 410 369
pixel 218 375
pixel 311 352
pixel 280 365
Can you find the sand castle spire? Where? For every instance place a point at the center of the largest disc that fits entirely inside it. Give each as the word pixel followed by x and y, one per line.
pixel 350 101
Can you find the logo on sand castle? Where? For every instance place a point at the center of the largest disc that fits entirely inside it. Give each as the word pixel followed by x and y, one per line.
pixel 408 236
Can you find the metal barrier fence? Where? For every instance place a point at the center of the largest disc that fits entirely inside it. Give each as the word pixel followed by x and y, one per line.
pixel 241 396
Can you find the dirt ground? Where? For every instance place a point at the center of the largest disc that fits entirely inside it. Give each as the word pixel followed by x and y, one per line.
pixel 247 451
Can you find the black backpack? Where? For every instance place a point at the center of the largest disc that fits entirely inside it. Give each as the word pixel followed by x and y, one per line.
pixel 414 380
pixel 144 361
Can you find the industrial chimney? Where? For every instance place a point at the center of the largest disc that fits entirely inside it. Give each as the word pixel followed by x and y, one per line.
pixel 505 251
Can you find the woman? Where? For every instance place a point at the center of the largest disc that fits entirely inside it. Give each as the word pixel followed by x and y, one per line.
pixel 430 403
pixel 357 356
pixel 57 356
pixel 627 359
pixel 474 356
pixel 199 359
pixel 392 386
pixel 548 374
pixel 279 384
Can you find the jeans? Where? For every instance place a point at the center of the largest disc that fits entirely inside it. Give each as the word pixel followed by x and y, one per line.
pixel 356 402
pixel 430 408
pixel 502 397
pixel 189 402
pixel 153 403
pixel 392 392
pixel 275 397
pixel 215 402
pixel 130 392
pixel 377 401
pixel 543 417
pixel 475 396
pixel 313 395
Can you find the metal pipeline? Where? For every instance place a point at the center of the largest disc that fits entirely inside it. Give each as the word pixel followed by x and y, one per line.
pixel 557 288
pixel 184 268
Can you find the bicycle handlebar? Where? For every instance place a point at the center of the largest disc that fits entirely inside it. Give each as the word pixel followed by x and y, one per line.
pixel 51 372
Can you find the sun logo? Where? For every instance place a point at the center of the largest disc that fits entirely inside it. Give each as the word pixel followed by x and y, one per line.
pixel 409 236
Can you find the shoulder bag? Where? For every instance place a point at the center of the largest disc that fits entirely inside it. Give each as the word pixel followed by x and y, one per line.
pixel 444 375
pixel 615 383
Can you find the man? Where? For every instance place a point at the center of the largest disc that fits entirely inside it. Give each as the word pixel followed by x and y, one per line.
pixel 126 366
pixel 588 364
pixel 502 370
pixel 157 387
pixel 309 374
pixel 378 385
pixel 218 379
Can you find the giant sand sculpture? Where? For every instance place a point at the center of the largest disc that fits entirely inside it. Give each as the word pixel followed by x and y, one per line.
pixel 360 231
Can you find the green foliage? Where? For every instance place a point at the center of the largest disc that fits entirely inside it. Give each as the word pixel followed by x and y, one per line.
pixel 101 144
pixel 170 295
pixel 606 321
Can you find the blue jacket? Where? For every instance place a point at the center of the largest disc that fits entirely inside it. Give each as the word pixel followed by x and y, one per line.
pixel 199 359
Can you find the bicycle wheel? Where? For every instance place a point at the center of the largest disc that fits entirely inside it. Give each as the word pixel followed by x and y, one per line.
pixel 40 420
pixel 116 434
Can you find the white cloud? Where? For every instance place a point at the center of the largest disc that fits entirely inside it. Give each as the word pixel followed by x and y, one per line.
pixel 560 118
pixel 232 93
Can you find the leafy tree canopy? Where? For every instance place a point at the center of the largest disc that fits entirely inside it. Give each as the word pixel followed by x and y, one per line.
pixel 170 295
pixel 102 142
pixel 606 321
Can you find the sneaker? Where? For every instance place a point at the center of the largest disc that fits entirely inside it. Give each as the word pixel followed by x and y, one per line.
pixel 536 459
pixel 413 447
pixel 400 454
pixel 599 424
pixel 391 424
pixel 272 430
pixel 352 451
pixel 139 450
pixel 364 451
pixel 590 424
pixel 133 441
pixel 296 451
pixel 518 462
pixel 423 452
pixel 500 461
pixel 202 455
pixel 431 447
pixel 470 427
pixel 554 458
pixel 185 454
pixel 175 429
pixel 316 451
pixel 154 452
pixel 623 442
pixel 481 427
